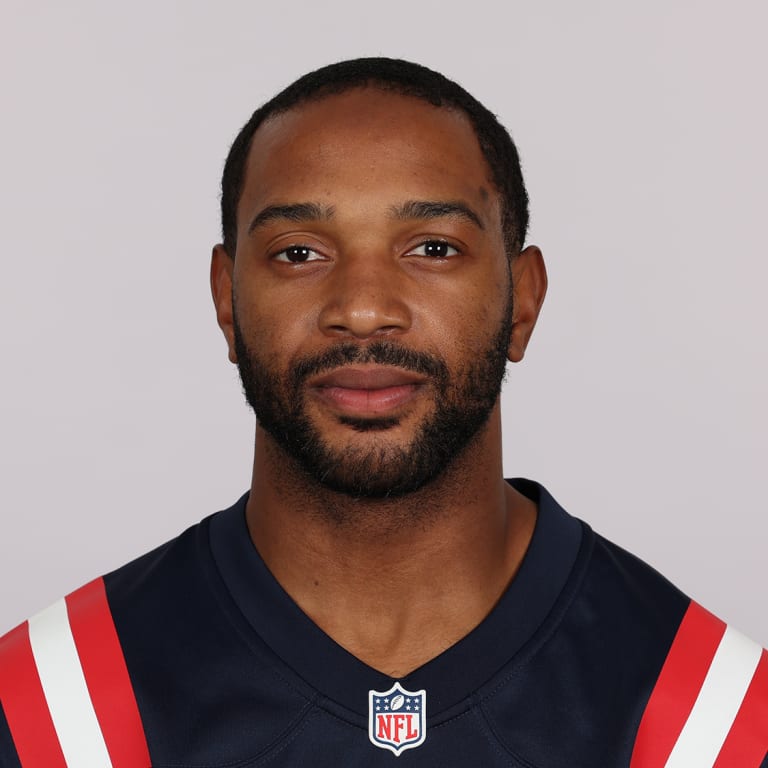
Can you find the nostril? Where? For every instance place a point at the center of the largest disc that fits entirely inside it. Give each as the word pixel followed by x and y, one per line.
pixel 362 332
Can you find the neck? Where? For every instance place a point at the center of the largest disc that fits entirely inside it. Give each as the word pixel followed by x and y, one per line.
pixel 436 560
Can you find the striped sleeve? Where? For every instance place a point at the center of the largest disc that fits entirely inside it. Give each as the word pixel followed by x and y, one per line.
pixel 65 688
pixel 709 707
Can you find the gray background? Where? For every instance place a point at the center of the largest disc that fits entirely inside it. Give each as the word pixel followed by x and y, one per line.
pixel 641 404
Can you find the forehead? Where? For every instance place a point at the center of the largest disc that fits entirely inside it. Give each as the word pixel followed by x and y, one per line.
pixel 366 141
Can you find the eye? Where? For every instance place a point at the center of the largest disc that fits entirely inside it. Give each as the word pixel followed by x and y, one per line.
pixel 435 249
pixel 297 254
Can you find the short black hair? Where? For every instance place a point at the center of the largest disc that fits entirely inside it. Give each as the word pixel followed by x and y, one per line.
pixel 407 79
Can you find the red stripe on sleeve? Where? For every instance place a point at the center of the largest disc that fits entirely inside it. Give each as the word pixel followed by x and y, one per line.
pixel 677 687
pixel 747 742
pixel 26 709
pixel 106 675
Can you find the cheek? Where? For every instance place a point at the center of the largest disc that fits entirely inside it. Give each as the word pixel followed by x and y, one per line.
pixel 273 324
pixel 466 319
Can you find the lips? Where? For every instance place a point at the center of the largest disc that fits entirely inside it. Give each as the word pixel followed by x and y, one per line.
pixel 367 391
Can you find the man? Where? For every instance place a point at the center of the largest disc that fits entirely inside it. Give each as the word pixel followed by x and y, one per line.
pixel 381 591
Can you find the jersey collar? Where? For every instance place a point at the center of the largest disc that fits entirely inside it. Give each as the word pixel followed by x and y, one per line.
pixel 449 678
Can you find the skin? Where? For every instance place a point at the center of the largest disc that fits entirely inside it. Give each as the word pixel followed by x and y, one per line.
pixel 458 541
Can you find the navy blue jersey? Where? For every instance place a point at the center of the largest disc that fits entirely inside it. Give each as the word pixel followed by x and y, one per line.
pixel 194 656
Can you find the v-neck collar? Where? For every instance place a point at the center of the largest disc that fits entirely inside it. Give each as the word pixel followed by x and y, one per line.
pixel 450 677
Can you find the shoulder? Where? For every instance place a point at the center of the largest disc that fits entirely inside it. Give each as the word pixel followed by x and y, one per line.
pixel 636 672
pixel 120 666
pixel 709 703
pixel 705 697
pixel 64 681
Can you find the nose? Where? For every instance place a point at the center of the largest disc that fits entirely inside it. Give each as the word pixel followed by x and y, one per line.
pixel 365 298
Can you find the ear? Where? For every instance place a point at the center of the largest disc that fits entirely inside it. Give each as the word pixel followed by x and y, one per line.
pixel 222 266
pixel 529 281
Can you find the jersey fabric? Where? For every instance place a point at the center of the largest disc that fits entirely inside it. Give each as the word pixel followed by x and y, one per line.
pixel 194 656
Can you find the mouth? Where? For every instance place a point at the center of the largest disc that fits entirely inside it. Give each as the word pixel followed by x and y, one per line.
pixel 367 391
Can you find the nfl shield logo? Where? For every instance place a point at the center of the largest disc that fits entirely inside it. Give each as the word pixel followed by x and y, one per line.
pixel 396 718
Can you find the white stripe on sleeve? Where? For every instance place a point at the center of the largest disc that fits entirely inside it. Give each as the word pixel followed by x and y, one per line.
pixel 66 692
pixel 718 702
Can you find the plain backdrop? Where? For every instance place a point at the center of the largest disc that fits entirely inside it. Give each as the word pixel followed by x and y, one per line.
pixel 642 402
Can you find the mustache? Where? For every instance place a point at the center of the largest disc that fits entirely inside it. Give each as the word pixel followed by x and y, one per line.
pixel 381 352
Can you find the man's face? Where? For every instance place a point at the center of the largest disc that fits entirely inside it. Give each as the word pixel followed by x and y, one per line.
pixel 372 296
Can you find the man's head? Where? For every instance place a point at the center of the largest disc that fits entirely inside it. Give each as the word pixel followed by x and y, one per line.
pixel 370 306
pixel 396 76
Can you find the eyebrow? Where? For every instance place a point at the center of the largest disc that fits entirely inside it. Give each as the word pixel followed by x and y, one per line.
pixel 411 209
pixel 430 209
pixel 297 212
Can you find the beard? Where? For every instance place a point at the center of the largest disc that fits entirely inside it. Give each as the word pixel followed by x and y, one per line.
pixel 463 401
